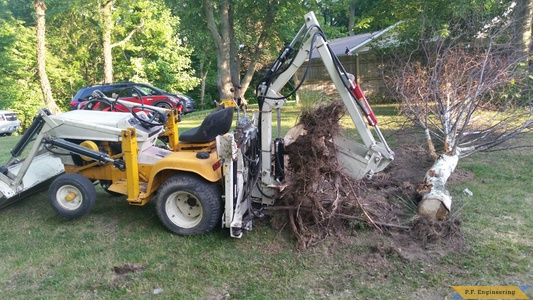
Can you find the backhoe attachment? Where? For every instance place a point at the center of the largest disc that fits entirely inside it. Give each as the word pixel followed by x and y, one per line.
pixel 253 160
pixel 361 160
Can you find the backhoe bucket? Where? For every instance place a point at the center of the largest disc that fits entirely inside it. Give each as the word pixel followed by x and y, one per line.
pixel 357 161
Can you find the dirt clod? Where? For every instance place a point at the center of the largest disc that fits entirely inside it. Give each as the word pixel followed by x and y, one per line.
pixel 127 268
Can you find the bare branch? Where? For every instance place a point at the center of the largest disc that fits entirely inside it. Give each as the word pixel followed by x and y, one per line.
pixel 460 91
pixel 129 36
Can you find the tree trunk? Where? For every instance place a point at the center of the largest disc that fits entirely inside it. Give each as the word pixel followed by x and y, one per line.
pixel 297 94
pixel 40 12
pixel 106 40
pixel 351 18
pixel 523 25
pixel 228 63
pixel 258 49
pixel 222 44
pixel 203 77
pixel 235 62
pixel 436 200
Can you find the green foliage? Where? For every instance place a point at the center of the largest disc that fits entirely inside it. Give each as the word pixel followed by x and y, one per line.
pixel 422 19
pixel 155 53
pixel 19 89
pixel 20 10
pixel 310 98
pixel 369 15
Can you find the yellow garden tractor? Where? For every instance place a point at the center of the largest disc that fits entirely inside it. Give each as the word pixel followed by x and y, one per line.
pixel 199 178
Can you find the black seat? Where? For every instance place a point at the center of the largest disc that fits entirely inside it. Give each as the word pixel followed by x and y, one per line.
pixel 216 123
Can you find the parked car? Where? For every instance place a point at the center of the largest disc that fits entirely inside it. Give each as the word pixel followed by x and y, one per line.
pixel 149 91
pixel 9 122
pixel 126 92
pixel 187 102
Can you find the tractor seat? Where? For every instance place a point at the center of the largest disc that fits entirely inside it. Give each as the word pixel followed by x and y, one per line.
pixel 216 123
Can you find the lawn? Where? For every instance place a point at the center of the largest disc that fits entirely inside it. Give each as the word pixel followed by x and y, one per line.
pixel 120 251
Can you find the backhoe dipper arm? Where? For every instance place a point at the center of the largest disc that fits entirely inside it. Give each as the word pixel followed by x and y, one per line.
pixel 371 157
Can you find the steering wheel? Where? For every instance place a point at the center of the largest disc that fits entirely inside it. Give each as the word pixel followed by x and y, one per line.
pixel 95 103
pixel 151 117
pixel 98 98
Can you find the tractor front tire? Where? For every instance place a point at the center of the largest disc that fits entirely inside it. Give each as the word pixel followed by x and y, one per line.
pixel 189 205
pixel 72 195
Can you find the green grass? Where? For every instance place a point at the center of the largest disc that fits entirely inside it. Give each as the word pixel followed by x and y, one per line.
pixel 44 256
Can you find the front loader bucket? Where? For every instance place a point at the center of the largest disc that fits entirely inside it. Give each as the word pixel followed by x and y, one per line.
pixel 21 178
pixel 42 170
pixel 40 187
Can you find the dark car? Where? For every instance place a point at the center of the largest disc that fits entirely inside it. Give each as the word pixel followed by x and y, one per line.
pixel 187 102
pixel 128 92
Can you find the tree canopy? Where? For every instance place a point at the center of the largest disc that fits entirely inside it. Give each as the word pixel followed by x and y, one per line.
pixel 170 44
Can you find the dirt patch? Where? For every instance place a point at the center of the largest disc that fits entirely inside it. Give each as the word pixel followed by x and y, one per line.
pixel 120 272
pixel 320 200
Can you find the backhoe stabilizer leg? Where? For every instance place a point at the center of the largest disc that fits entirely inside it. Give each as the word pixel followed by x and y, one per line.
pixel 236 215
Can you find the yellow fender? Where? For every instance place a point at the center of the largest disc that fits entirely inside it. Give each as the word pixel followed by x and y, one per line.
pixel 209 167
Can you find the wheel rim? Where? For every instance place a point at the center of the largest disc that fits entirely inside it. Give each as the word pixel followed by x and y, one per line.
pixel 164 105
pixel 184 209
pixel 69 197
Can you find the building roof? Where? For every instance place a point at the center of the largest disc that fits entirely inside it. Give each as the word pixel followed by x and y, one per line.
pixel 354 44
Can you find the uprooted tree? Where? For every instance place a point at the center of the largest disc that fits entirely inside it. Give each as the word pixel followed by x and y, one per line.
pixel 319 195
pixel 466 85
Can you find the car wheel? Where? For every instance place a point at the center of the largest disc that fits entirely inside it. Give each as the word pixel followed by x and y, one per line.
pixel 188 205
pixel 72 195
pixel 164 105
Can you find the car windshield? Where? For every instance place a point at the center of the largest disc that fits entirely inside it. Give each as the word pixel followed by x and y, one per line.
pixel 11 117
pixel 145 90
pixel 150 88
pixel 128 92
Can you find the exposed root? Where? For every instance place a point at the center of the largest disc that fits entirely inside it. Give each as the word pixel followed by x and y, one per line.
pixel 319 200
pixel 428 230
pixel 319 196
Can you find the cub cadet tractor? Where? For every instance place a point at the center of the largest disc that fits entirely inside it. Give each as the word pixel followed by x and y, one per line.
pixel 203 177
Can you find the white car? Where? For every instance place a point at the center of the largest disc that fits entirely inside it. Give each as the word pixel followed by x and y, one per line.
pixel 9 122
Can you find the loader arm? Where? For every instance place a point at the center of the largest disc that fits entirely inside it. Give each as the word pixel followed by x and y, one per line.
pixel 31 167
pixel 362 160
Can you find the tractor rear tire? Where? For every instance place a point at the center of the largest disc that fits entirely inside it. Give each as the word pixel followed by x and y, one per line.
pixel 188 204
pixel 72 195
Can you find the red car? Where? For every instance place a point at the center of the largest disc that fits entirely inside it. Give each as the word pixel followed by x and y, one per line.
pixel 125 93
